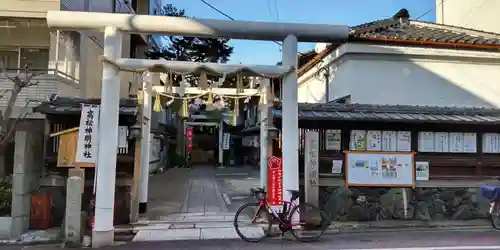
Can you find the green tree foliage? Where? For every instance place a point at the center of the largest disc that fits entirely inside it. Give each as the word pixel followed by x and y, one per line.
pixel 194 49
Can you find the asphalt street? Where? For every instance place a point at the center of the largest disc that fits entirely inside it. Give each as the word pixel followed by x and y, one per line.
pixel 407 240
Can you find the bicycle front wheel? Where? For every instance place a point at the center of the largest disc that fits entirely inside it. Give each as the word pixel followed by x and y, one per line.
pixel 308 222
pixel 252 222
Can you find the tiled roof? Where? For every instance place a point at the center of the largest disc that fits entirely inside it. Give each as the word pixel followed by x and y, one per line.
pixel 67 105
pixel 401 30
pixel 410 30
pixel 395 113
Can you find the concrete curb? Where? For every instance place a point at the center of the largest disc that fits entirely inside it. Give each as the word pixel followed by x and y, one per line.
pixel 407 226
pixel 343 226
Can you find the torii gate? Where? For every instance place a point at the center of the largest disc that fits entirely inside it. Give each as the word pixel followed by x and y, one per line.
pixel 114 24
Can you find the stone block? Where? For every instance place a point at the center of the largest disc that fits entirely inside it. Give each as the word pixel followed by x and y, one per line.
pixel 214 225
pixel 20 225
pixel 154 227
pixel 171 234
pixel 227 233
pixel 419 204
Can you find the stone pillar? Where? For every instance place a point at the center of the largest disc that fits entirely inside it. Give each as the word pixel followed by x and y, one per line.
pixel 73 219
pixel 26 178
pixel 311 168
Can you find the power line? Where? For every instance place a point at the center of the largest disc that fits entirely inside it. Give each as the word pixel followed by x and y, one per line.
pixel 226 15
pixel 269 7
pixel 214 8
pixel 276 9
pixel 431 9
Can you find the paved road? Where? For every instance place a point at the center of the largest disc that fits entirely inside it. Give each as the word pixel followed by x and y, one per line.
pixel 417 240
pixel 235 184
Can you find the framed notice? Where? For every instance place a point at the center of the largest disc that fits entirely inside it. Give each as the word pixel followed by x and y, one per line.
pixel 441 142
pixel 490 143
pixel 470 143
pixel 456 142
pixel 358 140
pixel 404 141
pixel 333 139
pixel 374 140
pixel 426 141
pixel 382 169
pixel 422 170
pixel 390 141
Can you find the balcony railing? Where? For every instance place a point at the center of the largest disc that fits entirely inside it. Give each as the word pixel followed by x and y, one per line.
pixel 51 82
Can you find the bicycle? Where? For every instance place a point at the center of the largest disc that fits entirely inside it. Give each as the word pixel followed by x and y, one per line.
pixel 492 193
pixel 263 212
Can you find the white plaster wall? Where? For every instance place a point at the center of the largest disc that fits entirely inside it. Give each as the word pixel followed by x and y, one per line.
pixel 410 76
pixel 423 83
pixel 474 14
pixel 311 85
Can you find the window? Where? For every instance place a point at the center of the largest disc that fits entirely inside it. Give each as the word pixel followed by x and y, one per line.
pixel 34 58
pixel 9 58
pixel 15 58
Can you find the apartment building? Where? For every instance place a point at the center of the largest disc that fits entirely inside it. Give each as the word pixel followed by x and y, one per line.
pixel 69 60
pixel 156 9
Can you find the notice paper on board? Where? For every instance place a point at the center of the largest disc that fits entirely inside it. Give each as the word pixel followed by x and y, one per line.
pixel 380 169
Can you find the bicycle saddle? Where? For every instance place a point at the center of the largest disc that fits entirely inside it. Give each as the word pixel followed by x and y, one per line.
pixel 257 190
pixel 295 194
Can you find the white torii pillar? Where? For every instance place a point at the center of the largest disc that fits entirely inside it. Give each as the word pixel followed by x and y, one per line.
pixel 108 141
pixel 290 120
pixel 144 24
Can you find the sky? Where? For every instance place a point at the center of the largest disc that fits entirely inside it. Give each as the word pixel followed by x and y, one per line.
pixel 350 12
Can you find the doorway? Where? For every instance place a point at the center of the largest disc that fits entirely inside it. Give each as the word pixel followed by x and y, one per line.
pixel 205 143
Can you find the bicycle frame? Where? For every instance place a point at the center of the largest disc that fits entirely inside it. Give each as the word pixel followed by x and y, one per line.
pixel 282 217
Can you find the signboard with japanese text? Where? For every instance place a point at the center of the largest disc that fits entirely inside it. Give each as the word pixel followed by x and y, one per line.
pixel 87 145
pixel 275 182
pixel 122 137
pixel 226 141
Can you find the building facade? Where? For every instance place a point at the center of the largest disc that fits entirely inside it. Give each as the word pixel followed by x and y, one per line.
pixel 399 61
pixel 71 67
pixel 69 60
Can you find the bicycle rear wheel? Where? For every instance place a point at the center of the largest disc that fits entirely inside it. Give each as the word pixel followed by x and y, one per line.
pixel 252 222
pixel 312 222
pixel 495 215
